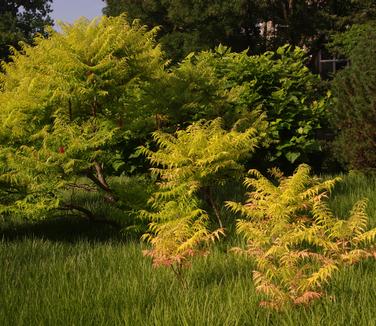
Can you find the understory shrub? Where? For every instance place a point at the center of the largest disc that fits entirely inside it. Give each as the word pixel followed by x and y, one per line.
pixel 133 193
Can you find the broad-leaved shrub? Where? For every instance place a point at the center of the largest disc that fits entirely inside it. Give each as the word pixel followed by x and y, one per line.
pixel 231 85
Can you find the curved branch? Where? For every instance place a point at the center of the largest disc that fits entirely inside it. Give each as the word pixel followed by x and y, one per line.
pixel 89 215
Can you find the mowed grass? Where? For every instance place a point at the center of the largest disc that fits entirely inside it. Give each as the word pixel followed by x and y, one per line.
pixel 68 273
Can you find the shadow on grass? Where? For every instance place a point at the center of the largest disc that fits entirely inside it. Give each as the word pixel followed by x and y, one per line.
pixel 63 229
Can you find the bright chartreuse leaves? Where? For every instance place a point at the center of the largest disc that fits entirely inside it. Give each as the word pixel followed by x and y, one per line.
pixel 194 163
pixel 68 102
pixel 90 70
pixel 202 155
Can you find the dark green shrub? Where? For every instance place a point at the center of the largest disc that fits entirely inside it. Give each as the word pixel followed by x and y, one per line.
pixel 354 113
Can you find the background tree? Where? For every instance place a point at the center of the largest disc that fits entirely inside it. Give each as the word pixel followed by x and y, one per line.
pixel 20 20
pixel 353 115
pixel 193 25
pixel 309 23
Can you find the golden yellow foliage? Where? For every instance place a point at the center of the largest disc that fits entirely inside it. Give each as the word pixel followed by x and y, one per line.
pixel 295 239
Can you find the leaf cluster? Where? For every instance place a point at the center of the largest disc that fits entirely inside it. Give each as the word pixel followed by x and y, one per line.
pixel 235 86
pixel 201 155
pixel 179 235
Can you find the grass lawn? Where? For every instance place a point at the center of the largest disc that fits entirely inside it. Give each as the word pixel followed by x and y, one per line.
pixel 65 272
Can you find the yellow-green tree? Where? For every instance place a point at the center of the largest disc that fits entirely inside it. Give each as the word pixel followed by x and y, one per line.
pixel 65 104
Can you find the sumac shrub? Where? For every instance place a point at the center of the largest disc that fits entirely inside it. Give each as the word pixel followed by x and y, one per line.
pixel 66 107
pixel 192 165
pixel 294 238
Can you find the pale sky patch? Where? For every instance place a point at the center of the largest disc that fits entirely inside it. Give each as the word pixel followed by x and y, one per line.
pixel 70 10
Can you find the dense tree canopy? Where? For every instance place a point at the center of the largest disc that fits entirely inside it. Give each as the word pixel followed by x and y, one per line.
pixel 259 25
pixel 20 20
pixel 75 105
pixel 304 23
pixel 194 25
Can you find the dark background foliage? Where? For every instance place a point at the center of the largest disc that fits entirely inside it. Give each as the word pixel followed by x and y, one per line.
pixel 354 114
pixel 20 20
pixel 193 25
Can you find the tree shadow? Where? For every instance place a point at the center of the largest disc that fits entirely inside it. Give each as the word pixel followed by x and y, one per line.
pixel 69 229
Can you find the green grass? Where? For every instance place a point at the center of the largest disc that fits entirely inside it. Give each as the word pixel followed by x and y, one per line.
pixel 68 272
pixel 355 186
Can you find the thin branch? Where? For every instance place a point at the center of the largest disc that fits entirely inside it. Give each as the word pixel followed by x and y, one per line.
pixel 178 271
pixel 81 187
pixel 100 176
pixel 101 182
pixel 70 110
pixel 71 207
pixel 215 208
pixel 94 107
pixel 89 215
